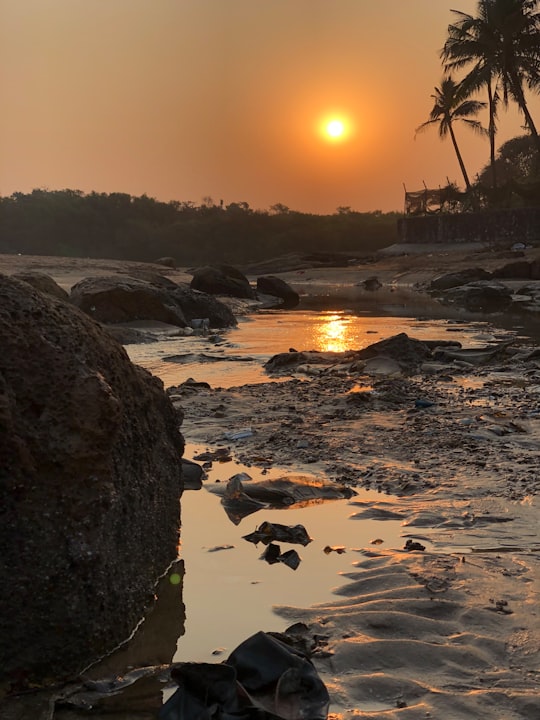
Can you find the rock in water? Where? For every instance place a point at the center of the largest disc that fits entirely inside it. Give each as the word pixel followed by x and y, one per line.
pixel 272 285
pixel 90 482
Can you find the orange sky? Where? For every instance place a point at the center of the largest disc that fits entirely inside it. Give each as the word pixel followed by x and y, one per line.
pixel 182 99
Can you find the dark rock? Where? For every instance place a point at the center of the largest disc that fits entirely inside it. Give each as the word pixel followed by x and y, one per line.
pixel 519 270
pixel 222 280
pixel 192 475
pixel 166 261
pixel 197 305
pixel 43 283
pixel 118 300
pixel 408 352
pixel 480 296
pixel 272 285
pixel 535 270
pixel 90 481
pixel 454 279
pixel 372 283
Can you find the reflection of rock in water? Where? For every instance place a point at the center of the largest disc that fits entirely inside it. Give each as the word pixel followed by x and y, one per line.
pixel 154 641
pixel 129 682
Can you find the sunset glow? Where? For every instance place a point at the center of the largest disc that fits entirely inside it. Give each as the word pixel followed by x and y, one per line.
pixel 311 104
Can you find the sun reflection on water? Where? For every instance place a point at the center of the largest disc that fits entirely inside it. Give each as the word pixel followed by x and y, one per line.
pixel 335 333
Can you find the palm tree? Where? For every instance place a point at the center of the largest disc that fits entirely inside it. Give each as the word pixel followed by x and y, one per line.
pixel 451 105
pixel 472 41
pixel 503 43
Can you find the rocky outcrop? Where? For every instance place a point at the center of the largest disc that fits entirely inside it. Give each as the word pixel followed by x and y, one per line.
pixel 276 287
pixel 461 277
pixel 90 482
pixel 43 283
pixel 519 270
pixel 409 353
pixel 222 280
pixel 196 305
pixel 116 300
pixel 485 297
pixel 404 354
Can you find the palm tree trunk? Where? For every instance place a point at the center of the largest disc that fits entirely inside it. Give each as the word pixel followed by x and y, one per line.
pixel 517 89
pixel 460 159
pixel 492 131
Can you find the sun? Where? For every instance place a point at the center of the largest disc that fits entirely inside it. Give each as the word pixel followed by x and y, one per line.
pixel 335 128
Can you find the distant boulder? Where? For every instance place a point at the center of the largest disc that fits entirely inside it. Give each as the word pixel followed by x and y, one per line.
pixel 276 287
pixel 197 305
pixel 123 299
pixel 485 297
pixel 461 277
pixel 169 262
pixel 43 283
pixel 222 280
pixel 114 299
pixel 519 270
pixel 372 283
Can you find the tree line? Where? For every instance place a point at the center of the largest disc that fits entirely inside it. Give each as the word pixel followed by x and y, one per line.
pixel 120 226
pixel 498 51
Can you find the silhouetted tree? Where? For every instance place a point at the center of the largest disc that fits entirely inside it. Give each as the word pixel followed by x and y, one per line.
pixel 451 105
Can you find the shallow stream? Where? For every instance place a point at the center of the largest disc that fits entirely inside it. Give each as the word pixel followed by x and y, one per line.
pixel 229 593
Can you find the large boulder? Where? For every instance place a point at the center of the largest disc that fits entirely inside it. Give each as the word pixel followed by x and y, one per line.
pixel 222 280
pixel 114 299
pixel 90 482
pixel 43 283
pixel 276 287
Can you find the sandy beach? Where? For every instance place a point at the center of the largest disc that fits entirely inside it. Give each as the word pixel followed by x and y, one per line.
pixel 450 628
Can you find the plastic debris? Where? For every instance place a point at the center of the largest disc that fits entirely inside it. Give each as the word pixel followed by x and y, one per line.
pixel 262 679
pixel 268 532
pixel 273 555
pixel 413 545
pixel 239 434
pixel 217 548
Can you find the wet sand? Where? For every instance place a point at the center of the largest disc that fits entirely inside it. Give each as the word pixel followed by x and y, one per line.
pixel 451 631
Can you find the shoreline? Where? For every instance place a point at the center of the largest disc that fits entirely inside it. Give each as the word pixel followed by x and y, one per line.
pixel 449 631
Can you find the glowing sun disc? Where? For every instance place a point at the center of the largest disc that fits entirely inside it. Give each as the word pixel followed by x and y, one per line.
pixel 335 128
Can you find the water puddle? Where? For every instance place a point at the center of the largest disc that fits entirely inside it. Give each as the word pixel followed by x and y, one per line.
pixel 236 357
pixel 229 593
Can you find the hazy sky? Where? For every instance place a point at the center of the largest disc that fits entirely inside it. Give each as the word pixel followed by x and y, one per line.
pixel 182 99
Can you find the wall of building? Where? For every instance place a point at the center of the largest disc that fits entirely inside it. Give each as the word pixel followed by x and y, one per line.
pixel 496 226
